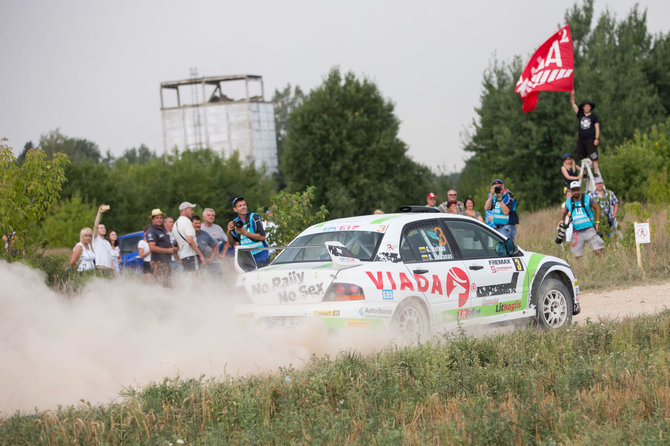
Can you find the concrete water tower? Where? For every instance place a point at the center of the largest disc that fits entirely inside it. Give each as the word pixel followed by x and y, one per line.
pixel 224 113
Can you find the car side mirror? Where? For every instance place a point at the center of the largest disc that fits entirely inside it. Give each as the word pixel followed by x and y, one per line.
pixel 510 247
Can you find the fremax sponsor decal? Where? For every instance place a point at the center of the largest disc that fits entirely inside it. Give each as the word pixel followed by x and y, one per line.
pixel 500 265
pixel 457 283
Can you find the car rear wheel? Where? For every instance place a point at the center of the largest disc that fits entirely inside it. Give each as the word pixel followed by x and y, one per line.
pixel 410 322
pixel 554 305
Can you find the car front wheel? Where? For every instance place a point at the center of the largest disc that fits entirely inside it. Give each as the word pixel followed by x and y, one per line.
pixel 554 305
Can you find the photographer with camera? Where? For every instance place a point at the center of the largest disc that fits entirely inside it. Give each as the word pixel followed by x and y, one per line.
pixel 247 230
pixel 503 205
pixel 580 208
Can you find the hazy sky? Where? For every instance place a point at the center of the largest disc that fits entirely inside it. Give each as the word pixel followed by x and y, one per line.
pixel 93 69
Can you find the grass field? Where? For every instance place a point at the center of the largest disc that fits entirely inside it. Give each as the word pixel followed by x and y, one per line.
pixel 604 383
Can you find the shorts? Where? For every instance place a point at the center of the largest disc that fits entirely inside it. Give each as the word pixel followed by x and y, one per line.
pixel 146 267
pixel 586 149
pixel 190 263
pixel 585 235
pixel 161 268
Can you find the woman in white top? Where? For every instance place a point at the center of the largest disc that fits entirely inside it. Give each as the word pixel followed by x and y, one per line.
pixel 116 251
pixel 82 253
pixel 145 255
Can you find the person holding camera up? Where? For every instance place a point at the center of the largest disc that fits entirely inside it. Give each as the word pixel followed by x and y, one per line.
pixel 247 230
pixel 502 203
pixel 580 208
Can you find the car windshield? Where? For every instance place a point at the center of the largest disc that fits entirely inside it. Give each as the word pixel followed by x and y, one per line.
pixel 312 248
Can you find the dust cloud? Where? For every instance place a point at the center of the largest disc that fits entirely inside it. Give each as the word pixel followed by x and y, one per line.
pixel 57 350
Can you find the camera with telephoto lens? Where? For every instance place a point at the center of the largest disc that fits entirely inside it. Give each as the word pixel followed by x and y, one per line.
pixel 561 233
pixel 239 224
pixel 497 189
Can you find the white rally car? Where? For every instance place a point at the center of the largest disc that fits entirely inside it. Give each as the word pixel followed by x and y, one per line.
pixel 413 273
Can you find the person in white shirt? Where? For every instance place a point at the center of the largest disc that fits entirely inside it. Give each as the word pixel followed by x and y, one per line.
pixel 101 246
pixel 82 254
pixel 185 234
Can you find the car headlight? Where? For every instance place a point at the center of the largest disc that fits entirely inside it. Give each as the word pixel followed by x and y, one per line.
pixel 343 291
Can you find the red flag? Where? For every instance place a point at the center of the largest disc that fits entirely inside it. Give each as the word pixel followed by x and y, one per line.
pixel 550 69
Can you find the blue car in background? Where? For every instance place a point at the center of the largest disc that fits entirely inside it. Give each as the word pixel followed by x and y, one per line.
pixel 130 256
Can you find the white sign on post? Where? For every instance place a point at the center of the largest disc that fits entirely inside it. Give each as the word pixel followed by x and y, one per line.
pixel 642 233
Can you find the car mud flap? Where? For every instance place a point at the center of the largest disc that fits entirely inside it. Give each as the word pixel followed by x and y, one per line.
pixel 537 282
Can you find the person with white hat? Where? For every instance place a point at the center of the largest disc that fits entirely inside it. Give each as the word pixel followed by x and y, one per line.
pixel 582 207
pixel 185 234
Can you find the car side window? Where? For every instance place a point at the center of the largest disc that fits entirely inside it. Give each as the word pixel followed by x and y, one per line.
pixel 425 242
pixel 475 241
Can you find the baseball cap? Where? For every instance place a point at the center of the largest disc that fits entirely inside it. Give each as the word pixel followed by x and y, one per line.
pixel 497 180
pixel 185 205
pixel 156 212
pixel 236 199
pixel 599 180
pixel 566 156
pixel 431 195
pixel 575 185
pixel 452 202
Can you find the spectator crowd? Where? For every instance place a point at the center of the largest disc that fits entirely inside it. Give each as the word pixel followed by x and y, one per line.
pixel 191 244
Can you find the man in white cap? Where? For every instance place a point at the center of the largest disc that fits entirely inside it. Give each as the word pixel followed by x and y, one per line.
pixel 581 208
pixel 185 234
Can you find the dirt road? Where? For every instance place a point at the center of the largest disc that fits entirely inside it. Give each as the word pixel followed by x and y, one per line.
pixel 621 303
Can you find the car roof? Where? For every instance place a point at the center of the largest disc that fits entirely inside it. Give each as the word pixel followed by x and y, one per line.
pixel 378 223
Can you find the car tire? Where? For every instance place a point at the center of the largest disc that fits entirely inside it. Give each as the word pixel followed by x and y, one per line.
pixel 410 322
pixel 554 305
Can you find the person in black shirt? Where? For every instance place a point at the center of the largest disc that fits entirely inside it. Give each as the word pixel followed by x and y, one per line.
pixel 161 248
pixel 589 130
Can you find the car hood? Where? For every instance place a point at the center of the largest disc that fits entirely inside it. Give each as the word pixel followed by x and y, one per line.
pixel 293 283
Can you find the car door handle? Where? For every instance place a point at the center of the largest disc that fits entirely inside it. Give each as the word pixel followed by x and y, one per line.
pixel 420 271
pixel 475 267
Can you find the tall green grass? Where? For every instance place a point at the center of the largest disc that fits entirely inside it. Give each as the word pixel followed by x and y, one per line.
pixel 606 383
pixel 618 267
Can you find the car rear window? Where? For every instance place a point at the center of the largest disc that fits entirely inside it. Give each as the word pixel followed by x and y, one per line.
pixel 311 248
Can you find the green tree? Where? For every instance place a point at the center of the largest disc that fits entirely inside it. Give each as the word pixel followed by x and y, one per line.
pixel 28 190
pixel 285 101
pixel 343 140
pixel 65 220
pixel 638 169
pixel 76 149
pixel 293 213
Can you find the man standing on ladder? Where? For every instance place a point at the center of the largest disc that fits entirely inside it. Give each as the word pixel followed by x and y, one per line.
pixel 589 131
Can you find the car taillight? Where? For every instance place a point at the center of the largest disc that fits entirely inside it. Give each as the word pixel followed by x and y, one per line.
pixel 343 291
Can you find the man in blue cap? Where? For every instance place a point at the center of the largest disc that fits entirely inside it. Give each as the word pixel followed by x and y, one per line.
pixel 502 203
